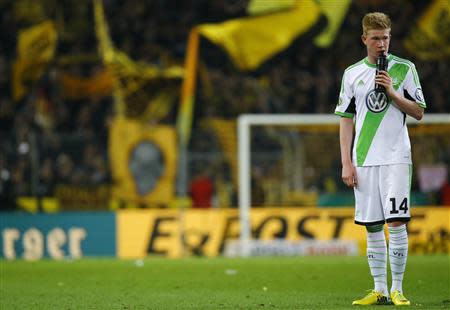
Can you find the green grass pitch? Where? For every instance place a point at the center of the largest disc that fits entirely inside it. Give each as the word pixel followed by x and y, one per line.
pixel 212 283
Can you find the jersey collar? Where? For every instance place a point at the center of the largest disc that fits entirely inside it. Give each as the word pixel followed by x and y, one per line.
pixel 366 61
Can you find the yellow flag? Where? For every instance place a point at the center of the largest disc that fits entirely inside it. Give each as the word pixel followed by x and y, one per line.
pixel 251 41
pixel 35 48
pixel 130 78
pixel 335 11
pixel 430 38
pixel 257 7
pixel 143 161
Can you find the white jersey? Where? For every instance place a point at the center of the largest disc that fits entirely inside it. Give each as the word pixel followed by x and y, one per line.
pixel 381 135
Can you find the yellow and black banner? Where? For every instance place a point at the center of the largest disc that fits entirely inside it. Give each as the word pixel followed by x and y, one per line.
pixel 174 233
pixel 131 80
pixel 143 161
pixel 429 39
pixel 35 49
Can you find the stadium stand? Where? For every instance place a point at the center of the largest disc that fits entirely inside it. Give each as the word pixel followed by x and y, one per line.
pixel 49 139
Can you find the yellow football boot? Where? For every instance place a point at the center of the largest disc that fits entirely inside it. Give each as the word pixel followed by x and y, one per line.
pixel 398 299
pixel 373 298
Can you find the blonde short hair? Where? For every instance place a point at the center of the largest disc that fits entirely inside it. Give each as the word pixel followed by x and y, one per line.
pixel 375 21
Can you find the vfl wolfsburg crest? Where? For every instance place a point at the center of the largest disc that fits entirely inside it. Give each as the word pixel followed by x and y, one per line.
pixel 419 95
pixel 376 101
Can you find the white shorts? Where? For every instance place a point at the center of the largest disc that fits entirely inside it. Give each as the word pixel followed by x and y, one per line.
pixel 382 194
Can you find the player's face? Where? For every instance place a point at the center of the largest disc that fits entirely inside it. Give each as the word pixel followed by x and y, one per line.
pixel 376 41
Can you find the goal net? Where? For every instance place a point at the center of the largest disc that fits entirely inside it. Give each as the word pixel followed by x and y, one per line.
pixel 294 160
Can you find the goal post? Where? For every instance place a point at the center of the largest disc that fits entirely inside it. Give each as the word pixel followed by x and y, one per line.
pixel 244 127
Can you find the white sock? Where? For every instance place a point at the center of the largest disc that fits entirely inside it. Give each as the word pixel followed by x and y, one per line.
pixel 398 253
pixel 377 258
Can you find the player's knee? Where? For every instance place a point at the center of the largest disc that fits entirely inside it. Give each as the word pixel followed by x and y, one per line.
pixel 374 228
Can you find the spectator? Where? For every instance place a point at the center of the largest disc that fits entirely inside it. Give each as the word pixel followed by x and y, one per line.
pixel 202 190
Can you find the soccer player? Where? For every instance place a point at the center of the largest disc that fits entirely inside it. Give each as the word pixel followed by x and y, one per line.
pixel 378 166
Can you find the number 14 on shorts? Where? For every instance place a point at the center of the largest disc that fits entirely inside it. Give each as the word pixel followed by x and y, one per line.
pixel 402 207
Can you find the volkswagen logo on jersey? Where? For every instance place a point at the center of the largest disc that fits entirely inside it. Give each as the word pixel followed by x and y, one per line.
pixel 376 101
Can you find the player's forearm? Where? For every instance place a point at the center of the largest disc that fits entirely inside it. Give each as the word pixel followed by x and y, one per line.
pixel 345 139
pixel 405 105
pixel 408 106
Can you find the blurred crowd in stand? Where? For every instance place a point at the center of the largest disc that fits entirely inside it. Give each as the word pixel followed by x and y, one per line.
pixel 65 140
